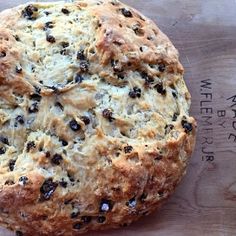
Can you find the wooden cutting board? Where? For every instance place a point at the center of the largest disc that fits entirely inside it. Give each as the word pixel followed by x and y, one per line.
pixel 204 31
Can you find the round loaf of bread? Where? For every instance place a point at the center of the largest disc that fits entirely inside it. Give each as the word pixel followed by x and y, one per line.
pixel 94 117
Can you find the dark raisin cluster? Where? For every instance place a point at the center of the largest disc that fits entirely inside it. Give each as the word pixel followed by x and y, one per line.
pixel 30 145
pixel 23 180
pixel 132 203
pixel 168 128
pixel 74 125
pixel 48 25
pixel 84 63
pixel 11 164
pixel 2 54
pixel 160 88
pixel 47 189
pixel 50 38
pixel 161 67
pixel 56 159
pixel 107 113
pixel 135 93
pixel 65 11
pixel 128 149
pixel 105 205
pixel 126 12
pixel 188 127
pixel 29 11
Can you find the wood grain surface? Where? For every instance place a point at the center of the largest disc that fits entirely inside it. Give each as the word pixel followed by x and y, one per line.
pixel 204 31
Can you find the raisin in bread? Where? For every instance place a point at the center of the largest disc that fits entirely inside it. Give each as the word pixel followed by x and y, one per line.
pixel 94 117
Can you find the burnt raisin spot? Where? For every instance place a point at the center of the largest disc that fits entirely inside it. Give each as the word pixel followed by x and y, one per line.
pixel 33 108
pixel 36 97
pixel 105 205
pixel 78 78
pixel 74 125
pixel 101 219
pixel 48 25
pixel 29 11
pixel 65 11
pixel 18 69
pixel 50 38
pixel 128 149
pixel 2 150
pixel 2 54
pixel 47 189
pixel 160 89
pixel 30 145
pixel 63 183
pixel 11 164
pixel 86 219
pixel 56 159
pixel 126 12
pixel 19 233
pixel 132 203
pixel 107 113
pixel 175 117
pixel 74 215
pixel 86 120
pixel 168 128
pixel 77 226
pixel 4 140
pixel 161 67
pixel 135 93
pixel 23 180
pixel 188 127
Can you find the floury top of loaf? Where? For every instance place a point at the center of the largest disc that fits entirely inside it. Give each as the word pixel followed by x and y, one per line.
pixel 94 117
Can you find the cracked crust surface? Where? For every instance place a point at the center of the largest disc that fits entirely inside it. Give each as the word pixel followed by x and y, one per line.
pixel 94 117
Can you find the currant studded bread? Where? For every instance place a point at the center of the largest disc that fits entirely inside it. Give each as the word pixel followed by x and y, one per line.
pixel 94 117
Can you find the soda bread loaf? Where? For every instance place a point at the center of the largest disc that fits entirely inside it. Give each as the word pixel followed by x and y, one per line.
pixel 94 117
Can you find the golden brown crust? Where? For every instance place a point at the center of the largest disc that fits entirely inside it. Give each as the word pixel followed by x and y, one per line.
pixel 94 117
pixel 113 42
